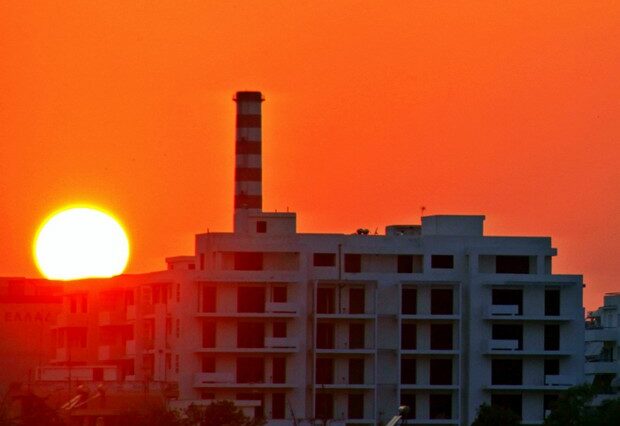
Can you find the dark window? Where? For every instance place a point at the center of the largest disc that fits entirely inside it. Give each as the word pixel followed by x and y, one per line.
pixel 279 329
pixel 506 372
pixel 440 406
pixel 324 371
pixel 408 336
pixel 353 263
pixel 324 406
pixel 441 372
pixel 512 264
pixel 207 395
pixel 405 264
pixel 508 332
pixel 552 302
pixel 510 402
pixel 408 375
pixel 202 261
pixel 208 299
pixel 248 261
pixel 98 374
pixel 279 370
pixel 208 334
pixel 552 337
pixel 356 335
pixel 325 300
pixel 250 370
pixel 250 335
pixel 355 406
pixel 409 301
pixel 279 294
pixel 442 261
pixel 278 405
pixel 324 259
pixel 251 299
pixel 441 301
pixel 549 402
pixel 208 364
pixel 325 336
pixel 261 226
pixel 76 337
pixel 441 336
pixel 357 300
pixel 191 266
pixel 408 399
pixel 552 367
pixel 508 297
pixel 356 371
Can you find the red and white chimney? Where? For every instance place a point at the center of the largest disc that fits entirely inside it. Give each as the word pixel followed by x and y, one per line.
pixel 248 166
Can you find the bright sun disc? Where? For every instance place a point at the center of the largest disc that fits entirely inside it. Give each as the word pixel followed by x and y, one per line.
pixel 81 242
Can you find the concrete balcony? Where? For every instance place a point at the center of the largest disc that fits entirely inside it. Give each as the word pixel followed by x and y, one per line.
pixel 280 342
pixel 280 308
pixel 108 318
pixel 510 310
pixel 109 352
pixel 71 355
pixel 206 378
pixel 503 345
pixel 602 334
pixel 130 347
pixel 65 319
pixel 559 380
pixel 610 367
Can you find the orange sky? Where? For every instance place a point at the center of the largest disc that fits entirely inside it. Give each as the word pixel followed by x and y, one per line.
pixel 373 109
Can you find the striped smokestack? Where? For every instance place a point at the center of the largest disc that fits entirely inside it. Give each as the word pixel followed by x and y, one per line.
pixel 248 168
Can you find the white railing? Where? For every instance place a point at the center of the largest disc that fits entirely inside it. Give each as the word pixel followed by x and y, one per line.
pixel 503 345
pixel 279 342
pixel 279 307
pixel 201 378
pixel 559 380
pixel 504 310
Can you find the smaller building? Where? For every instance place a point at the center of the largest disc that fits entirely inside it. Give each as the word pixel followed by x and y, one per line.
pixel 602 336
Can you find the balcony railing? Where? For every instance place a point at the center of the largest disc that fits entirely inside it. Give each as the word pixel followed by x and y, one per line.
pixel 280 308
pixel 204 378
pixel 559 380
pixel 503 345
pixel 280 342
pixel 503 310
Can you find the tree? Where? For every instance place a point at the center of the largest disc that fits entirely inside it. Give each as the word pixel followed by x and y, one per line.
pixel 219 413
pixel 495 416
pixel 574 408
pixel 608 414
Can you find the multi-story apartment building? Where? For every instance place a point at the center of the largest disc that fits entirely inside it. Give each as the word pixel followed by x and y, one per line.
pixel 335 327
pixel 603 345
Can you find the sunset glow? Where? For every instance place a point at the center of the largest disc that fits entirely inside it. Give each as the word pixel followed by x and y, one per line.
pixel 81 243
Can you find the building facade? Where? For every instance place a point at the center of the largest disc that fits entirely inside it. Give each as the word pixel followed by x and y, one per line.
pixel 602 345
pixel 336 328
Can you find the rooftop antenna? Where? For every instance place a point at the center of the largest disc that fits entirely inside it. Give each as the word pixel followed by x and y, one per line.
pixel 422 209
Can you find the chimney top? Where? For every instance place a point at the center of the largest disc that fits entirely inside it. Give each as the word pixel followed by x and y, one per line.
pixel 249 96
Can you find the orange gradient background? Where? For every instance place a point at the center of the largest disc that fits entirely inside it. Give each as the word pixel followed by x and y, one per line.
pixel 508 109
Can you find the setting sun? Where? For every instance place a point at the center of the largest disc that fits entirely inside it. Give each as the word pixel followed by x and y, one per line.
pixel 81 243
